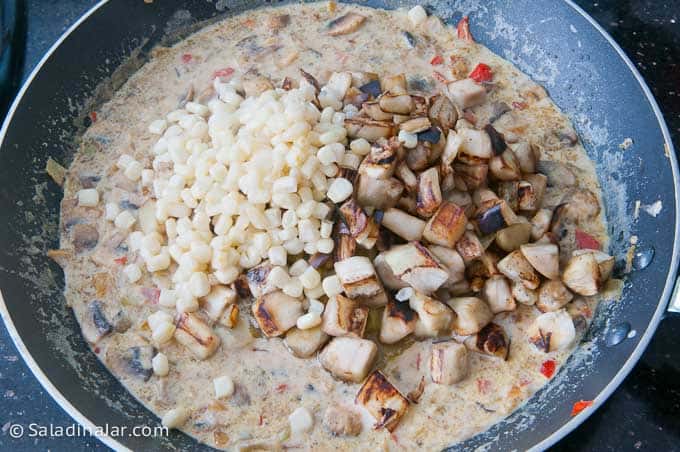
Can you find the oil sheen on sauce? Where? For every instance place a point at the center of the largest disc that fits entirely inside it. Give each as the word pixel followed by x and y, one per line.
pixel 270 382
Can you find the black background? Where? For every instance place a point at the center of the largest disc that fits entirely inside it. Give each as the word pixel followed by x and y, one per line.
pixel 643 414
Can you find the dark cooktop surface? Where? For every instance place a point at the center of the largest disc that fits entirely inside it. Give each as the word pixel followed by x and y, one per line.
pixel 643 414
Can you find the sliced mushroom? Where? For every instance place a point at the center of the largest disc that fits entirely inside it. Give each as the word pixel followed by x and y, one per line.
pixel 418 158
pixel 523 295
pixel 434 317
pixel 442 112
pixel 196 335
pixel 99 320
pixel 498 294
pixel 448 362
pixel 401 104
pixel 429 196
pixel 553 295
pixel 540 223
pixel 342 421
pixel 377 193
pixel 493 215
pixel 605 262
pixel 348 358
pixel 415 265
pixel 544 258
pixel 258 280
pixel 369 129
pixel 344 317
pixel 582 274
pixel 517 268
pixel 345 24
pixel 466 93
pixel 469 247
pixel 360 281
pixel 398 321
pixel 446 226
pixel 452 262
pixel 492 340
pixel 552 331
pixel 559 174
pixel 305 343
pixel 382 400
pixel 512 237
pixel 472 314
pixel 84 237
pixel 530 192
pixel 276 313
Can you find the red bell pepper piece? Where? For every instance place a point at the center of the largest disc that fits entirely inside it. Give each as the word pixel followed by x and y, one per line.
pixel 585 241
pixel 548 368
pixel 437 60
pixel 224 72
pixel 580 406
pixel 187 57
pixel 481 73
pixel 121 260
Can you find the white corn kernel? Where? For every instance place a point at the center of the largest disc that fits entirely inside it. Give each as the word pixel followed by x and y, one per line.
pixel 167 298
pixel 350 160
pixel 163 332
pixel 301 421
pixel 310 248
pixel 151 244
pixel 331 285
pixel 228 275
pixel 147 178
pixel 326 229
pixel 417 15
pixel 157 318
pixel 158 126
pixel 310 278
pixel 298 267
pixel 315 292
pixel 224 386
pixel 124 220
pixel 404 294
pixel 325 245
pixel 160 365
pixel 175 417
pixel 309 320
pixel 277 255
pixel 124 160
pixel 340 190
pixel 111 211
pixel 293 288
pixel 159 262
pixel 410 140
pixel 278 277
pixel 134 171
pixel 316 306
pixel 360 146
pixel 294 246
pixel 199 285
pixel 88 197
pixel 187 304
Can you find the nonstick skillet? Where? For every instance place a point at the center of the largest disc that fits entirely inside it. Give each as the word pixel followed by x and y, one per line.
pixel 555 42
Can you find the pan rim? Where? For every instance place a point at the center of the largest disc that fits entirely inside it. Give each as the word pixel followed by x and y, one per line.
pixel 550 440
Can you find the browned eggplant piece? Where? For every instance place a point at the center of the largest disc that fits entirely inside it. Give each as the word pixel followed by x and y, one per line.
pixel 410 180
pixel 345 244
pixel 420 105
pixel 450 152
pixel 345 24
pixel 99 320
pixel 311 80
pixel 498 109
pixel 355 97
pixel 415 265
pixel 540 223
pixel 137 360
pixel 544 258
pixel 416 125
pixel 401 104
pixel 505 166
pixel 434 317
pixel 384 271
pixel 530 192
pixel 472 314
pixel 498 294
pixel 442 112
pixel 319 260
pixel 446 226
pixel 372 109
pixel 360 281
pixel 398 321
pixel 361 227
pixel 492 340
pixel 402 224
pixel 84 237
pixel 344 317
pixel 378 193
pixel 517 268
pixel 475 147
pixel 305 343
pixel 372 88
pixel 482 195
pixel 509 192
pixel 497 139
pixel 448 362
pixel 394 84
pixel 342 421
pixel 193 333
pixel 472 175
pixel 382 400
pixel 558 174
pixel 553 295
pixel 451 261
pixel 582 274
pixel 382 160
pixel 418 158
pixel 276 313
pixel 605 262
pixel 511 238
pixel 407 204
pixel 348 358
pixel 469 247
pixel 368 129
pixel 466 93
pixel 527 156
pixel 552 331
pixel 429 196
pixel 493 215
pixel 258 280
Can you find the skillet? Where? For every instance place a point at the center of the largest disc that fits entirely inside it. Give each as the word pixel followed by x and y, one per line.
pixel 556 43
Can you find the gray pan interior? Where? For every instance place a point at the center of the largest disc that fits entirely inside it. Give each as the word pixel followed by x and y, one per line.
pixel 555 42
